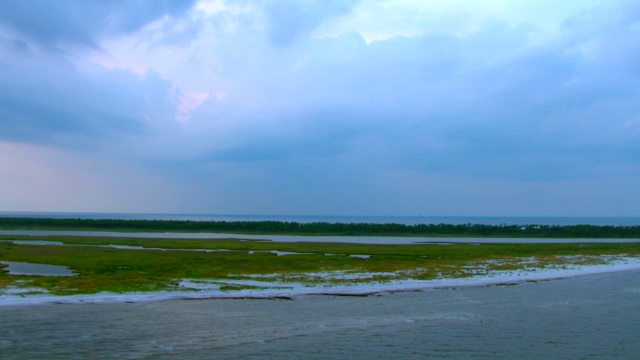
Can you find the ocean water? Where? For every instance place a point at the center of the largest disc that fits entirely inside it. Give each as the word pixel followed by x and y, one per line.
pixel 304 238
pixel 407 220
pixel 588 317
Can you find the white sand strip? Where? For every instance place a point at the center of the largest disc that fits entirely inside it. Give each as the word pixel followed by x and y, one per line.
pixel 258 289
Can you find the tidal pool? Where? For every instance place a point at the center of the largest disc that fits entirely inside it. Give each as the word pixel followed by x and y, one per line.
pixel 129 247
pixel 25 268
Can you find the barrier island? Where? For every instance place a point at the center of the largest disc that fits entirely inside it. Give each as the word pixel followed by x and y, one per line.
pixel 324 228
pixel 195 268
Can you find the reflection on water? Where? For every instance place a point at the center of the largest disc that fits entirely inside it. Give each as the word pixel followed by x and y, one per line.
pixel 590 317
pixel 25 268
pixel 34 242
pixel 303 238
pixel 278 252
pixel 130 247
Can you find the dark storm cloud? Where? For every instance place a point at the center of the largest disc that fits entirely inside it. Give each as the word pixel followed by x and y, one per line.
pixel 337 107
pixel 48 103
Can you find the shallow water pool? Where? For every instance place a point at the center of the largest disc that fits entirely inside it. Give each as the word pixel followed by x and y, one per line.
pixel 25 268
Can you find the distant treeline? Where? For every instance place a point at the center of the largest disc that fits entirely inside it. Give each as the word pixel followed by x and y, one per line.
pixel 324 228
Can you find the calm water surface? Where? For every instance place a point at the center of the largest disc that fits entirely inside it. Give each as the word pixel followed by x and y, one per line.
pixel 407 220
pixel 589 317
pixel 25 268
pixel 299 238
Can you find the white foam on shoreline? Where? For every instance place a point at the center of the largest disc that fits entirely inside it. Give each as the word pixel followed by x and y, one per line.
pixel 263 289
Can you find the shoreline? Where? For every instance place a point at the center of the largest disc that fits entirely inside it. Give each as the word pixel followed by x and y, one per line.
pixel 360 239
pixel 201 289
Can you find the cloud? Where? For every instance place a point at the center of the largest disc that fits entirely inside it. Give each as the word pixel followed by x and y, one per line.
pixel 287 20
pixel 47 102
pixel 438 101
pixel 52 24
pixel 52 179
pixel 188 103
pixel 359 106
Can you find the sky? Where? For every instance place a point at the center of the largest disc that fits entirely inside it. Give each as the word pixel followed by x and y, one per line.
pixel 321 107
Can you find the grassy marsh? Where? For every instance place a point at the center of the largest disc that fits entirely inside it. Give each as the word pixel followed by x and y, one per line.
pixel 166 261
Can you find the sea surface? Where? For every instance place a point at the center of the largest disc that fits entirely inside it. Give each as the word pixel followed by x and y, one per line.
pixel 407 220
pixel 587 317
pixel 397 240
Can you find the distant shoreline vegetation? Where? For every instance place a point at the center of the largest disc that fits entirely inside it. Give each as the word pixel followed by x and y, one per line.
pixel 325 228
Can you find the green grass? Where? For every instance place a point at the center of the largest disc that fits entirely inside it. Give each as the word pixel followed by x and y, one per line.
pixel 123 270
